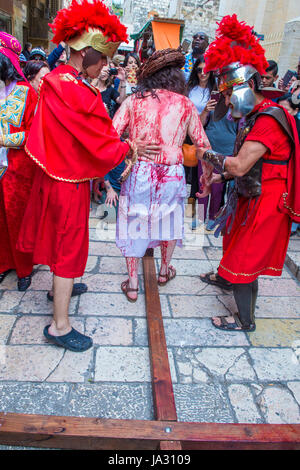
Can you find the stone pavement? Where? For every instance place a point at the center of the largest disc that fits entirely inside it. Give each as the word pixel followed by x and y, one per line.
pixel 226 377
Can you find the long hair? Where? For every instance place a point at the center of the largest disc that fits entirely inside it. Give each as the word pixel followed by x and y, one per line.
pixel 194 78
pixel 33 67
pixel 168 78
pixel 8 71
pixel 135 56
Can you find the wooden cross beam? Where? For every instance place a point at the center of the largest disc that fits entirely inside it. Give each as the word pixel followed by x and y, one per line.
pixel 165 433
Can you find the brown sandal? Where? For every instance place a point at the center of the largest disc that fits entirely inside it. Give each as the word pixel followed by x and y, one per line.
pixel 169 276
pixel 125 289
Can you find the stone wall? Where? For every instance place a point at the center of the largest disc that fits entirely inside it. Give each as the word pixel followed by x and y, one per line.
pixel 196 18
pixel 290 49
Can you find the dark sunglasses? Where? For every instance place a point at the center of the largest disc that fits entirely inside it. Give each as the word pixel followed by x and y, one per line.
pixel 199 69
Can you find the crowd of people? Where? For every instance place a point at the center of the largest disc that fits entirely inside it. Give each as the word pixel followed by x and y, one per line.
pixel 86 113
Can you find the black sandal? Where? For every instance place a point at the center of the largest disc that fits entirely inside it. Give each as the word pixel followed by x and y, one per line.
pixel 74 341
pixel 78 289
pixel 219 282
pixel 4 274
pixel 234 326
pixel 24 283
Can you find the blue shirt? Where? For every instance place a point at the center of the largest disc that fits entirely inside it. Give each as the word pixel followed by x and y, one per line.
pixel 189 64
pixel 114 175
pixel 222 134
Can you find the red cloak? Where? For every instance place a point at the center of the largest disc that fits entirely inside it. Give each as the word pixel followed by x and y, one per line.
pixel 259 237
pixel 72 137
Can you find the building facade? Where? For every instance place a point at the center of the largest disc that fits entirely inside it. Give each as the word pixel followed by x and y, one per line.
pixel 277 20
pixel 199 15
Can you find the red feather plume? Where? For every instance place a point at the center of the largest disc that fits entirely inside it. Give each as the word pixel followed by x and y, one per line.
pixel 235 42
pixel 82 15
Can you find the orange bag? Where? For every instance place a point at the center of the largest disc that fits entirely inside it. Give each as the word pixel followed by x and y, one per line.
pixel 189 155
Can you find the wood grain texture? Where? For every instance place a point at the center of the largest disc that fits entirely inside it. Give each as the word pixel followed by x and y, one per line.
pixel 90 433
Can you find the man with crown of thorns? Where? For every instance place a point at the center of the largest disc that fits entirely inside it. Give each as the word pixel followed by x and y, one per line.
pixel 72 141
pixel 256 220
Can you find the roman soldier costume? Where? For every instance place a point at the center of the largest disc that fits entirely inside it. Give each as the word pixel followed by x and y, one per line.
pixel 256 220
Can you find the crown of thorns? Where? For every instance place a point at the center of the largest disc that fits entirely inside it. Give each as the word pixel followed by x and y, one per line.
pixel 160 60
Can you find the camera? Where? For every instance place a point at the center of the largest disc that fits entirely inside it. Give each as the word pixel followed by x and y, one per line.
pixel 113 72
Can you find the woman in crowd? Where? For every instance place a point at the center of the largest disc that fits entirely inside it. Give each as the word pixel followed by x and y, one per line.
pixel 18 102
pixel 131 64
pixel 200 86
pixel 109 94
pixel 151 206
pixel 221 131
pixel 37 53
pixel 26 50
pixel 34 71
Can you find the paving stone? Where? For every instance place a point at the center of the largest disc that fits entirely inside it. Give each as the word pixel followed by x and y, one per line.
pixel 115 265
pixel 34 398
pixel 91 263
pixel 74 367
pixel 103 249
pixel 37 302
pixel 29 329
pixel 189 285
pixel 218 242
pixel 196 306
pixel 103 282
pixel 202 403
pixel 274 364
pixel 106 304
pixel 110 331
pixel 29 363
pixel 294 244
pixel 243 404
pixel 295 389
pixel 42 280
pixel 125 364
pixel 279 406
pixel 214 253
pixel 6 324
pixel 226 363
pixel 184 253
pixel 272 287
pixel 10 282
pixel 10 300
pixel 275 332
pixel 115 401
pixel 200 333
pixel 191 267
pixel 267 307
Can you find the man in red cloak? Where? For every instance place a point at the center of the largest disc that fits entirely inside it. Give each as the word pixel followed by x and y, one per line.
pixel 256 220
pixel 72 141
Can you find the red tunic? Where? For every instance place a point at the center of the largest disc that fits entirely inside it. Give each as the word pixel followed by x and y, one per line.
pixel 16 117
pixel 258 240
pixel 72 140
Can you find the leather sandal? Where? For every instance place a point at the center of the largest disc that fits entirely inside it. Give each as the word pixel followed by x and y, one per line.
pixel 125 289
pixel 169 276
pixel 219 282
pixel 234 326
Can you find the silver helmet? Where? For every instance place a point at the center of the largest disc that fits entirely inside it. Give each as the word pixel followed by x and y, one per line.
pixel 236 77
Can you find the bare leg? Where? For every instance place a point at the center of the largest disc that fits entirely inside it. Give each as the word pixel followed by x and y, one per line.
pixel 62 288
pixel 167 249
pixel 132 268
